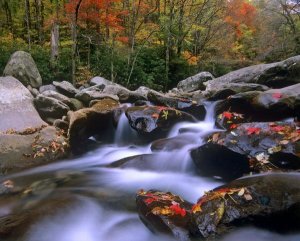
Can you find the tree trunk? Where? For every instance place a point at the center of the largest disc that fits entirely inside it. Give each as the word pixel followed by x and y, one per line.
pixel 54 42
pixel 27 22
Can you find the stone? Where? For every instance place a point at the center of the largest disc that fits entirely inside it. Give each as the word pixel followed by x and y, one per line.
pixel 274 75
pixel 100 81
pixel 87 122
pixel 32 147
pixel 47 87
pixel 17 111
pixel 49 107
pixel 66 88
pixel 76 104
pixel 22 66
pixel 123 94
pixel 195 82
pixel 86 96
pixel 33 91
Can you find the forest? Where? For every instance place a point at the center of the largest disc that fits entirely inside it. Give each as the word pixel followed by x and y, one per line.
pixel 155 43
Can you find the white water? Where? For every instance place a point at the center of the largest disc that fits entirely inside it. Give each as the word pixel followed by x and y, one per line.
pixel 171 171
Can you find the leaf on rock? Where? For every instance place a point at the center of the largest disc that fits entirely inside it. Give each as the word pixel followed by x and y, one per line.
pixel 155 115
pixel 263 158
pixel 162 211
pixel 274 149
pixel 253 130
pixel 277 95
pixel 277 128
pixel 227 115
pixel 178 210
pixel 233 126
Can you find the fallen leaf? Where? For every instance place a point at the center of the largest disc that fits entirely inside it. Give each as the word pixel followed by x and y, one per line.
pixel 284 142
pixel 263 158
pixel 241 192
pixel 248 197
pixel 161 211
pixel 277 95
pixel 277 128
pixel 253 130
pixel 274 149
pixel 178 210
pixel 227 115
pixel 233 126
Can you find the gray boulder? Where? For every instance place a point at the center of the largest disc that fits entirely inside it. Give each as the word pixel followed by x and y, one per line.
pixel 88 95
pixel 100 81
pixel 124 94
pixel 275 75
pixel 47 87
pixel 22 66
pixel 50 108
pixel 195 82
pixel 66 88
pixel 17 110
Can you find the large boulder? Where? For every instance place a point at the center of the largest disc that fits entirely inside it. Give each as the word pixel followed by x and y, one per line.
pixel 124 94
pixel 86 122
pixel 97 80
pixel 269 200
pixel 86 96
pixel 195 82
pixel 22 66
pixel 264 106
pixel 275 75
pixel 155 120
pixel 17 110
pixel 257 147
pixel 30 147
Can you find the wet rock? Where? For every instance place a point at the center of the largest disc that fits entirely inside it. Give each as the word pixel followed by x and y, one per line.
pixel 32 147
pixel 66 88
pixel 155 120
pixel 75 104
pixel 195 82
pixel 61 124
pixel 17 111
pixel 260 146
pixel 229 120
pixel 275 75
pixel 265 106
pixel 186 105
pixel 33 91
pixel 268 200
pixel 90 121
pixel 223 91
pixel 166 213
pixel 22 66
pixel 49 107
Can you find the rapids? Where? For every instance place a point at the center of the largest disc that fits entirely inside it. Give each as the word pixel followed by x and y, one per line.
pixel 105 206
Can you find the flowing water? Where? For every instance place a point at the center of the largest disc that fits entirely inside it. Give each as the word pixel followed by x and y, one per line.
pixel 104 197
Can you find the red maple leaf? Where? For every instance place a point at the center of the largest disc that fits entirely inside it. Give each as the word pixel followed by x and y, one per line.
pixel 253 130
pixel 227 115
pixel 277 128
pixel 276 95
pixel 150 200
pixel 233 126
pixel 178 210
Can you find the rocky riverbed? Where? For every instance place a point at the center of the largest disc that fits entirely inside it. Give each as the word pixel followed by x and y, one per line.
pixel 213 159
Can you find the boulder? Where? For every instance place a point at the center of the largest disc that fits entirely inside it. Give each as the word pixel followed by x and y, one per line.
pixel 88 95
pixel 269 200
pixel 66 88
pixel 257 147
pixel 143 90
pixel 265 106
pixel 124 94
pixel 87 122
pixel 223 91
pixel 33 91
pixel 183 104
pixel 22 66
pixel 31 147
pixel 17 110
pixel 100 81
pixel 49 107
pixel 155 120
pixel 76 104
pixel 274 75
pixel 195 82
pixel 47 87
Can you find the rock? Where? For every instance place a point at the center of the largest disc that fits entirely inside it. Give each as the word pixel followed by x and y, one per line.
pixel 186 105
pixel 100 81
pixel 229 120
pixel 53 94
pixel 22 66
pixel 49 107
pixel 222 91
pixel 47 87
pixel 76 104
pixel 32 147
pixel 17 111
pixel 143 90
pixel 87 122
pixel 257 147
pixel 195 82
pixel 88 95
pixel 124 94
pixel 33 91
pixel 275 75
pixel 61 124
pixel 66 88
pixel 268 200
pixel 166 213
pixel 265 106
pixel 155 120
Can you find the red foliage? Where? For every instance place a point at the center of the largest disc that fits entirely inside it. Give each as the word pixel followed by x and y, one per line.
pixel 227 115
pixel 277 128
pixel 277 95
pixel 178 210
pixel 253 130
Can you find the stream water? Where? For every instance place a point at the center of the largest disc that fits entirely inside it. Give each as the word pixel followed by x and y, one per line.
pixel 104 197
